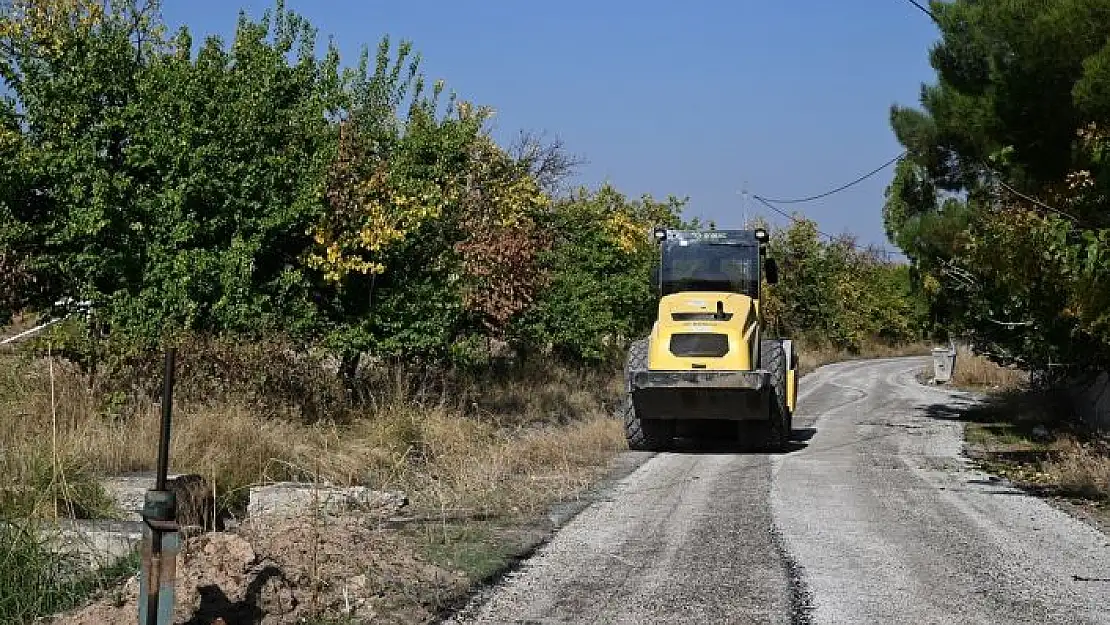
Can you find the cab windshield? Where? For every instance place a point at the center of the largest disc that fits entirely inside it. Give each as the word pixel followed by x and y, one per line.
pixel 709 266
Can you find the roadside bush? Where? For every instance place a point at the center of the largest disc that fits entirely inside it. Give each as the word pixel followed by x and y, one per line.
pixel 836 294
pixel 36 581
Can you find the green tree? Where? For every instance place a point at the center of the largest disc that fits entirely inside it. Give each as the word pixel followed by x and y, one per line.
pixel 67 68
pixel 173 191
pixel 1001 205
pixel 254 186
pixel 836 293
pixel 598 291
pixel 796 303
pixel 430 235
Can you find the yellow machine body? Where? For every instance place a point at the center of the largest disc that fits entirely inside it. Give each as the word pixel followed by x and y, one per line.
pixel 697 313
pixel 685 314
pixel 792 387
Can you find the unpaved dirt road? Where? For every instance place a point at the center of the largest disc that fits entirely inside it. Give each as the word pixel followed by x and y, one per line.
pixel 875 518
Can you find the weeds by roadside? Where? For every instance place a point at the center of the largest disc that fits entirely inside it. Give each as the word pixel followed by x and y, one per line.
pixel 976 372
pixel 812 356
pixel 1081 468
pixel 1030 439
pixel 1030 436
pixel 35 581
pixel 460 444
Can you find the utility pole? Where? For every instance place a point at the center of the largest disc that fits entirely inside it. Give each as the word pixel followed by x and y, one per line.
pixel 744 204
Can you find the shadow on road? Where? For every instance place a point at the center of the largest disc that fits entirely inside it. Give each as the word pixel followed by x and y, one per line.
pixel 803 435
pixel 1019 408
pixel 982 413
pixel 717 442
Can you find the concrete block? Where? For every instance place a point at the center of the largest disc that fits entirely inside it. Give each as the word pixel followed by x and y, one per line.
pixel 290 499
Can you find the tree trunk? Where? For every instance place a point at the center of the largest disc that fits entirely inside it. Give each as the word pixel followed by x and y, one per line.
pixel 348 369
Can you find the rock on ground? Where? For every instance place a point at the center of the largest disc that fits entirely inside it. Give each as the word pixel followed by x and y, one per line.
pixel 296 499
pixel 283 571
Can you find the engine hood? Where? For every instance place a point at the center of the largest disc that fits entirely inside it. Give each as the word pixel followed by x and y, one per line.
pixel 731 316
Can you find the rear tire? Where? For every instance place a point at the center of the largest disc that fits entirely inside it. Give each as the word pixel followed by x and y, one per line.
pixel 637 360
pixel 641 434
pixel 773 359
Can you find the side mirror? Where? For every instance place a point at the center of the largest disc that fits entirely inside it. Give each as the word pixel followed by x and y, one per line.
pixel 771 270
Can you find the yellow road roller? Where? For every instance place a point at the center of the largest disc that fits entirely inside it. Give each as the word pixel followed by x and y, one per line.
pixel 707 359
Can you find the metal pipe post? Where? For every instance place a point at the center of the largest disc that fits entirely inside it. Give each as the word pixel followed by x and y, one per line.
pixel 161 540
pixel 167 414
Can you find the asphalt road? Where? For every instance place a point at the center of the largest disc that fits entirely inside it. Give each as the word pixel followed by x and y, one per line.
pixel 874 518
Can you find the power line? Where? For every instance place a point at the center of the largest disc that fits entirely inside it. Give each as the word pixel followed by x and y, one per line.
pixel 924 9
pixel 840 188
pixel 886 253
pixel 1036 202
pixel 778 210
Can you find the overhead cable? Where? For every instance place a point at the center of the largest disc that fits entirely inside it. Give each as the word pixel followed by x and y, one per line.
pixel 924 9
pixel 1037 202
pixel 840 188
pixel 787 215
pixel 828 236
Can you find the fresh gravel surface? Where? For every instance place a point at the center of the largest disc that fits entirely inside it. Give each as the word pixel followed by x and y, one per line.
pixel 875 517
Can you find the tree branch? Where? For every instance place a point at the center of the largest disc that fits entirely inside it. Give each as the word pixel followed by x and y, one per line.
pixel 545 159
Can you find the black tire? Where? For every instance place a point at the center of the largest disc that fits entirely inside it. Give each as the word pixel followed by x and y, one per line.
pixel 641 434
pixel 772 358
pixel 637 360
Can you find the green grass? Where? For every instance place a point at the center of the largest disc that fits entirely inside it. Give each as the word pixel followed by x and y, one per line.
pixel 48 490
pixel 1001 434
pixel 36 582
pixel 479 550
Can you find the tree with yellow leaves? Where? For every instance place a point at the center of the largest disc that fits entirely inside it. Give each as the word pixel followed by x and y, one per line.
pixel 598 291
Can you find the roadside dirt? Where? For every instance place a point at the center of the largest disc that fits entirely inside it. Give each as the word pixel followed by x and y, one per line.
pixel 287 571
pixel 351 568
pixel 875 499
pixel 1030 465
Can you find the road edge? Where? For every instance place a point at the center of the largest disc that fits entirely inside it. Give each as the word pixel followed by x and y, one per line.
pixel 559 514
pixel 1061 504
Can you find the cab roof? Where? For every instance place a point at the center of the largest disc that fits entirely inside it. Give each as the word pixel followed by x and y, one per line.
pixel 745 237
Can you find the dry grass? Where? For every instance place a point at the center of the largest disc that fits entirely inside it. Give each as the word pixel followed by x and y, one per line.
pixel 974 371
pixel 18 323
pixel 1058 464
pixel 496 443
pixel 481 456
pixel 499 447
pixel 512 445
pixel 1032 439
pixel 812 356
pixel 1080 469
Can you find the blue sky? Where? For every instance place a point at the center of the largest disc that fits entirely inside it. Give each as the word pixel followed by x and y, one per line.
pixel 692 99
